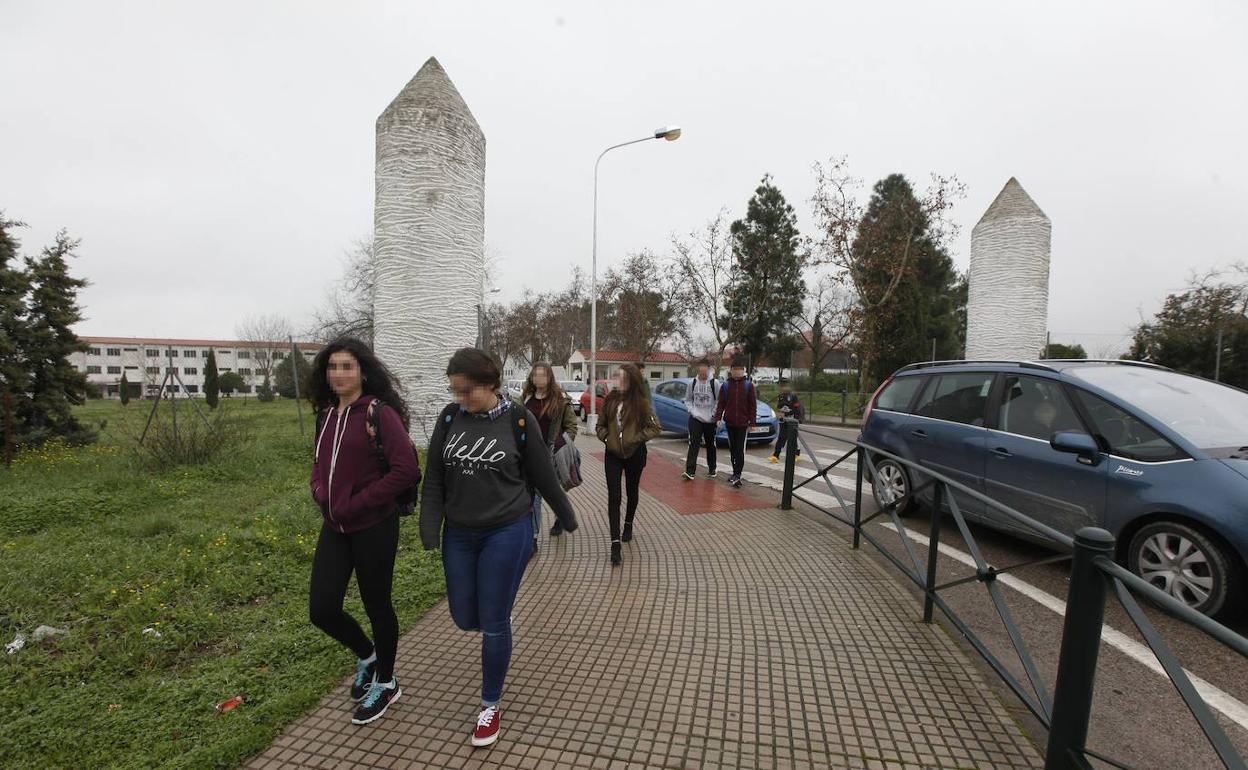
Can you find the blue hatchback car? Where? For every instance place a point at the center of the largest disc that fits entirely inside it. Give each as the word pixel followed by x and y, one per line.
pixel 669 404
pixel 1158 458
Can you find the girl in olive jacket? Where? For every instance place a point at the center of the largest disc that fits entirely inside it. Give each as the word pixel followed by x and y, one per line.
pixel 627 422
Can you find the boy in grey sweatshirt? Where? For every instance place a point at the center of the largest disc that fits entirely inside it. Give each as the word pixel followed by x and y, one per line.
pixel 700 401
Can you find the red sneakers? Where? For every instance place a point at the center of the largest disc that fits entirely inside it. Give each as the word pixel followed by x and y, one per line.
pixel 489 721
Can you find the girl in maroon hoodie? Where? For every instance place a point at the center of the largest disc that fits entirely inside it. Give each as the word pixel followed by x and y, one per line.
pixel 356 477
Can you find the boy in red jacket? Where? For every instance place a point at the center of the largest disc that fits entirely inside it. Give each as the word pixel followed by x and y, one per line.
pixel 738 407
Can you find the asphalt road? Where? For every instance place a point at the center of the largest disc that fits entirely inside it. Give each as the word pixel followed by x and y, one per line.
pixel 1138 717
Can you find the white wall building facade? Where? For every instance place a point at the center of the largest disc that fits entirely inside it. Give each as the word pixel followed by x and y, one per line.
pixel 145 361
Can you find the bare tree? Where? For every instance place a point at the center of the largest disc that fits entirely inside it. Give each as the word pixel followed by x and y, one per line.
pixel 878 253
pixel 523 331
pixel 348 307
pixel 266 340
pixel 840 217
pixel 827 319
pixel 645 307
pixel 565 319
pixel 705 269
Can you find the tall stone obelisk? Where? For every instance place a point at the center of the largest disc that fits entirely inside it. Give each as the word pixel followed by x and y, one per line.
pixel 1008 304
pixel 429 237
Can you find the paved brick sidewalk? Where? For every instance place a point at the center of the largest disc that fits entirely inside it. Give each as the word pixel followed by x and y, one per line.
pixel 740 638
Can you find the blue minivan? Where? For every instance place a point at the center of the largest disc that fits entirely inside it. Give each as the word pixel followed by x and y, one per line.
pixel 1158 458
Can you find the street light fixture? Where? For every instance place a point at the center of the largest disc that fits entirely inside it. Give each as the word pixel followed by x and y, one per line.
pixel 668 133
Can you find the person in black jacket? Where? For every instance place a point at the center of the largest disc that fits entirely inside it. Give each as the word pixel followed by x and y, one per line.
pixel 787 405
pixel 485 454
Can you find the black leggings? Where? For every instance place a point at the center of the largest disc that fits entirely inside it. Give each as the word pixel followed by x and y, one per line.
pixel 631 469
pixel 371 554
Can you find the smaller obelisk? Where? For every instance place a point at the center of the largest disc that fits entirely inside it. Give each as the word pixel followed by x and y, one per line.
pixel 429 237
pixel 1008 304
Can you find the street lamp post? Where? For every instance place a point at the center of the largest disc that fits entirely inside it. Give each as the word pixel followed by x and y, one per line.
pixel 480 319
pixel 671 134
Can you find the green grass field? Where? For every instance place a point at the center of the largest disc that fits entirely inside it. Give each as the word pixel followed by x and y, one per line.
pixel 825 406
pixel 215 557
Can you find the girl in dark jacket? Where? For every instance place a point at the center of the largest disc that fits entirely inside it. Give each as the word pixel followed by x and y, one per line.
pixel 485 455
pixel 627 422
pixel 360 530
pixel 553 409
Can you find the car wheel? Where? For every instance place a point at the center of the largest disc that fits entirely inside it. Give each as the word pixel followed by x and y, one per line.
pixel 1187 564
pixel 890 483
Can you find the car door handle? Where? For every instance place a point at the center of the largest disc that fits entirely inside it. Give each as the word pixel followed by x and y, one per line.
pixel 1002 452
pixel 919 433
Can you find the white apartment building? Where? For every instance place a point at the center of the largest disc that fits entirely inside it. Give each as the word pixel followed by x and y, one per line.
pixel 145 361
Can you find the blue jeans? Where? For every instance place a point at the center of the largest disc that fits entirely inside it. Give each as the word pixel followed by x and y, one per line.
pixel 483 569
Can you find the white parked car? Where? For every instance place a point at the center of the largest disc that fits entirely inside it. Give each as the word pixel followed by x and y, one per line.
pixel 574 389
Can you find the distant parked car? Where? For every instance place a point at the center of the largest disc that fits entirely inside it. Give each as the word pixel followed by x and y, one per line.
pixel 1158 458
pixel 601 388
pixel 574 389
pixel 669 404
pixel 514 388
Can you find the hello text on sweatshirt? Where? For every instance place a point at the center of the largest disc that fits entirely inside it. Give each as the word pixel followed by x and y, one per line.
pixel 478 478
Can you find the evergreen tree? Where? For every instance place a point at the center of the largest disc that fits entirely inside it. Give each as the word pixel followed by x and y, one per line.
pixel 1057 350
pixel 923 296
pixel 125 390
pixel 781 350
pixel 284 383
pixel 1183 335
pixel 212 387
pixel 265 391
pixel 14 284
pixel 55 386
pixel 231 383
pixel 766 290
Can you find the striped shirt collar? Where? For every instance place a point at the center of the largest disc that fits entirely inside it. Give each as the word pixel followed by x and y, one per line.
pixel 504 403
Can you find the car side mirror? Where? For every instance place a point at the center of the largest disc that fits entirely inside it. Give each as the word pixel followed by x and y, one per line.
pixel 1079 444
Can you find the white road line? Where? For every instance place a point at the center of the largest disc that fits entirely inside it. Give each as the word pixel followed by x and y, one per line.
pixel 1233 709
pixel 804 468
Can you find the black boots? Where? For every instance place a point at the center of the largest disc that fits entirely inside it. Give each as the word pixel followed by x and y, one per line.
pixel 616 557
pixel 627 536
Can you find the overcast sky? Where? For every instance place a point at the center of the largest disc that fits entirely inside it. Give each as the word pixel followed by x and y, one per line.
pixel 217 159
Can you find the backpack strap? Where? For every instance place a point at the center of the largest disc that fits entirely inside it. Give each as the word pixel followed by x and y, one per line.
pixel 518 429
pixel 372 425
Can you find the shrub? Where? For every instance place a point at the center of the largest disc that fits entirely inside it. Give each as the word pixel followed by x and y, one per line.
pixel 196 441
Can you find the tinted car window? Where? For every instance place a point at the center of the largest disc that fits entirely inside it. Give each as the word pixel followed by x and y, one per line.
pixel 1037 408
pixel 1124 434
pixel 674 390
pixel 957 398
pixel 899 393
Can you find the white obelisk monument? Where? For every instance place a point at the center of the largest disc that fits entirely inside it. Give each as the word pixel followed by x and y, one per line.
pixel 429 237
pixel 1008 303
